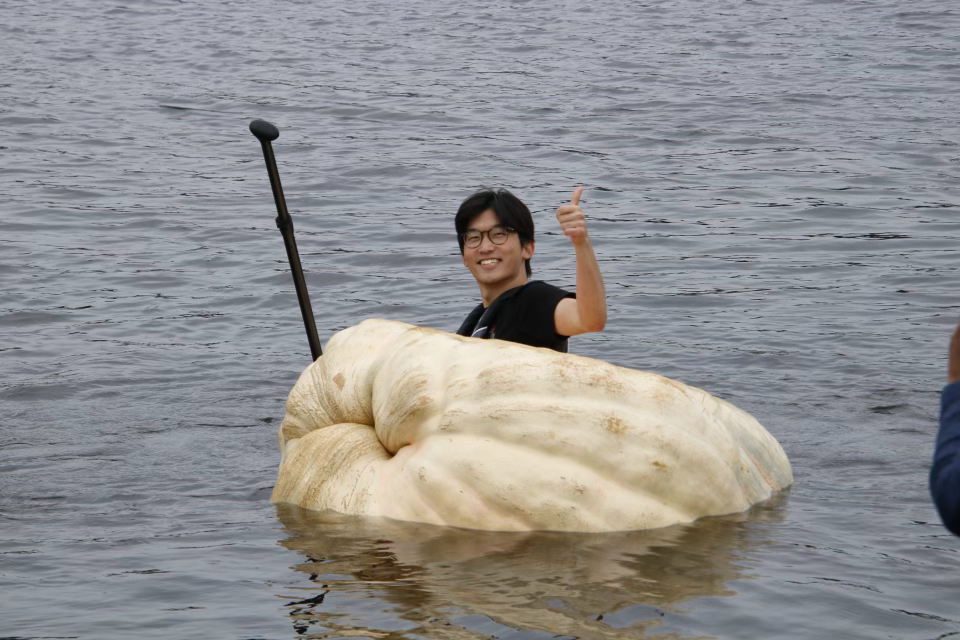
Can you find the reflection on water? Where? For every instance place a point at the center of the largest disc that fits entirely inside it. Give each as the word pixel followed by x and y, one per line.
pixel 459 582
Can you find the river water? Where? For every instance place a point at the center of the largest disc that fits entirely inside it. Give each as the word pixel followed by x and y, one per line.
pixel 772 192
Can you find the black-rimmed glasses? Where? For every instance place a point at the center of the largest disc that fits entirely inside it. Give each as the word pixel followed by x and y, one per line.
pixel 497 235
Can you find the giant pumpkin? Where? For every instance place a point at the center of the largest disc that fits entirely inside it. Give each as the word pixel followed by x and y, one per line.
pixel 425 426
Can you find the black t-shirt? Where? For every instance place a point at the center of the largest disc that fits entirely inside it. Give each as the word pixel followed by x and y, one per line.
pixel 523 314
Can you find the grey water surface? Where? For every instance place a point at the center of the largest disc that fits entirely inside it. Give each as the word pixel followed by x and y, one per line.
pixel 773 192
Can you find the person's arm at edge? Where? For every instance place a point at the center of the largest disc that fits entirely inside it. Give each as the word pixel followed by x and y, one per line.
pixel 588 311
pixel 945 472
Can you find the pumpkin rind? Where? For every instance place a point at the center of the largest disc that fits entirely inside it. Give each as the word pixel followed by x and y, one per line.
pixel 421 425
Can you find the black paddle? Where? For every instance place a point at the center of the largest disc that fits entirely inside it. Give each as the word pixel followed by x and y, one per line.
pixel 266 133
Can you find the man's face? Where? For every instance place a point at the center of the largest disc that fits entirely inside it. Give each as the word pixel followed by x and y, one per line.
pixel 496 264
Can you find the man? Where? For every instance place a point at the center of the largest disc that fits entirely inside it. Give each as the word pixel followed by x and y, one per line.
pixel 495 232
pixel 945 473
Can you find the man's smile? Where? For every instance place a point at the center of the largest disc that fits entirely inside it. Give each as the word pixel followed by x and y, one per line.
pixel 489 262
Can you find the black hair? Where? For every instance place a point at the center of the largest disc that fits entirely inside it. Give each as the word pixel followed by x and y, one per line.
pixel 510 211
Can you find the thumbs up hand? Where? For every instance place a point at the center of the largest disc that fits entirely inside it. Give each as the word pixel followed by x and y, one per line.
pixel 572 220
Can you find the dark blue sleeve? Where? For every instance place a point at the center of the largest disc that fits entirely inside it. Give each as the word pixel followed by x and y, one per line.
pixel 945 473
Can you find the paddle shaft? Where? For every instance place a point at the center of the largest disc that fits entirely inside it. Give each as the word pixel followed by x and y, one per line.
pixel 265 132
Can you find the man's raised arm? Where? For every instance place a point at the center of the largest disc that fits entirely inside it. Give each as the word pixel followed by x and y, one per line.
pixel 588 311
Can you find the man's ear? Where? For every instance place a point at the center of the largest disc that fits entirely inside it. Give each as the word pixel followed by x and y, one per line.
pixel 527 251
